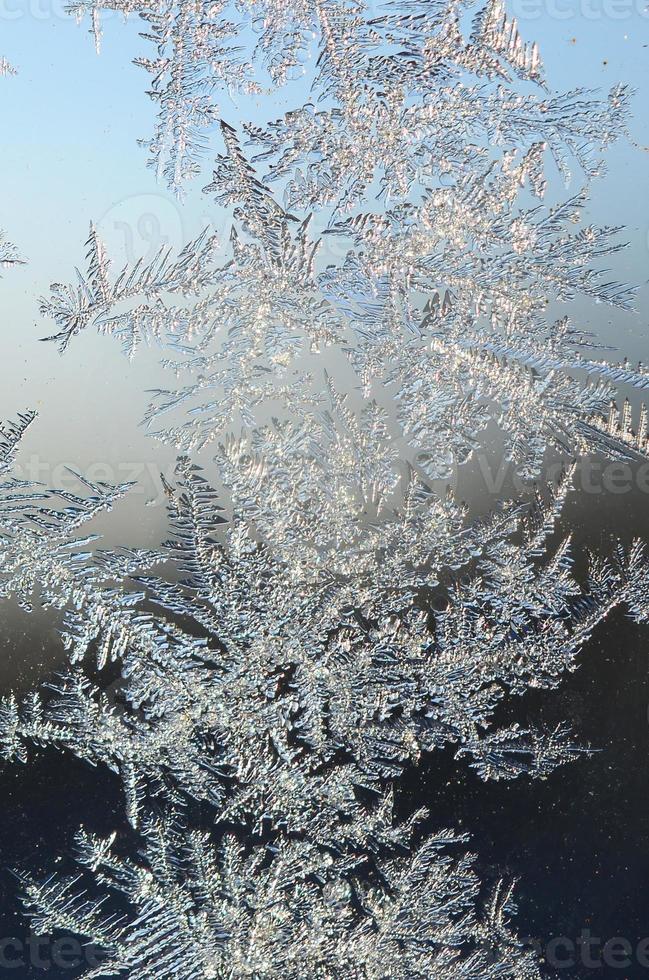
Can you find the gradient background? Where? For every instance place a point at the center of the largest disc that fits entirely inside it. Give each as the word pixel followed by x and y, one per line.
pixel 70 120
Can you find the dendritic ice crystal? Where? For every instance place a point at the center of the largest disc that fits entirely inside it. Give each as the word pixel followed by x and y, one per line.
pixel 395 290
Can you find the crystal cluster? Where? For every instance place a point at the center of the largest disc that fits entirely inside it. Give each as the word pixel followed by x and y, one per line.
pixel 329 616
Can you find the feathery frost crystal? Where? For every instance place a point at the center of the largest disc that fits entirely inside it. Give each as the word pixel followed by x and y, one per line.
pixel 396 289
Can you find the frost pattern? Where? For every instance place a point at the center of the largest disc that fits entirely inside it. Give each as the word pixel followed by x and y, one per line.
pixel 424 72
pixel 304 913
pixel 301 693
pixel 281 724
pixel 9 254
pixel 323 616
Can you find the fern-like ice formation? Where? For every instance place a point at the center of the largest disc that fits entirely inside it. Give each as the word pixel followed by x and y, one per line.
pixel 290 911
pixel 241 692
pixel 427 73
pixel 9 254
pixel 6 68
pixel 289 711
pixel 329 617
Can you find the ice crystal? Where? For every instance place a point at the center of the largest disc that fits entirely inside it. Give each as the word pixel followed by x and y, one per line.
pixel 437 308
pixel 250 707
pixel 9 254
pixel 293 911
pixel 329 616
pixel 386 89
pixel 278 705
